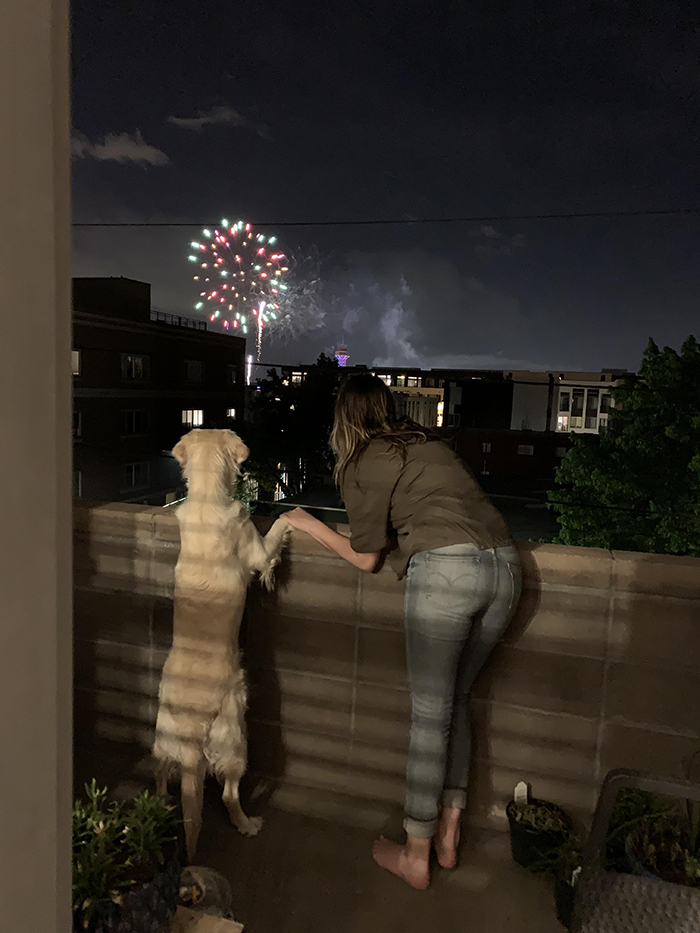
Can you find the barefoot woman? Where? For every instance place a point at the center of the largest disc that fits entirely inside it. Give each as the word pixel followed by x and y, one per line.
pixel 407 494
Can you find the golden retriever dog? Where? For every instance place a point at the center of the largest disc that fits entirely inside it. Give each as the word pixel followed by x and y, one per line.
pixel 203 693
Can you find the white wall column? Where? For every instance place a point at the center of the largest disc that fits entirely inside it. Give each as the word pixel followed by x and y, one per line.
pixel 35 468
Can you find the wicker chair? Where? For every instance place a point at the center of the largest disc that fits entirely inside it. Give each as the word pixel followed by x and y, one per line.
pixel 607 902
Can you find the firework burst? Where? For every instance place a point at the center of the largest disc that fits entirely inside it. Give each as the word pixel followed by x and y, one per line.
pixel 241 278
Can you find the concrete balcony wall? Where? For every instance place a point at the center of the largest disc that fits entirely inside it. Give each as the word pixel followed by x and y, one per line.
pixel 599 669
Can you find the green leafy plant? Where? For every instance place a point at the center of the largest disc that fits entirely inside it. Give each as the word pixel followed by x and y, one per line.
pixel 636 487
pixel 664 849
pixel 116 846
pixel 667 839
pixel 540 816
pixel 563 860
pixel 246 489
pixel 289 428
pixel 632 809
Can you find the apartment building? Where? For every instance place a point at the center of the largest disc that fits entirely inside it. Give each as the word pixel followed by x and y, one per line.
pixel 141 379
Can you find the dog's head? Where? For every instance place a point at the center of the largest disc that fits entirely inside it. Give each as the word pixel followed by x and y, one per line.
pixel 222 445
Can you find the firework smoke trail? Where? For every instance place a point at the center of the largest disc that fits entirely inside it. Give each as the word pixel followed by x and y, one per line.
pixel 302 308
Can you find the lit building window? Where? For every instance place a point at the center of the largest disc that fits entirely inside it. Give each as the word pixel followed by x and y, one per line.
pixel 75 359
pixel 193 417
pixel 386 380
pixel 400 380
pixel 486 448
pixel 297 378
pixel 584 409
pixel 440 413
pixel 231 413
pixel 414 382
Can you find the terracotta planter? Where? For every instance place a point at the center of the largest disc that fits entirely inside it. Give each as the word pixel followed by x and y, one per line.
pixel 529 845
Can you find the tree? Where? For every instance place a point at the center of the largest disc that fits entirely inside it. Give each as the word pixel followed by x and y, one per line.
pixel 290 427
pixel 637 486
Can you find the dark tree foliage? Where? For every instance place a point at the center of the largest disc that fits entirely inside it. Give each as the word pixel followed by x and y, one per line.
pixel 636 487
pixel 289 431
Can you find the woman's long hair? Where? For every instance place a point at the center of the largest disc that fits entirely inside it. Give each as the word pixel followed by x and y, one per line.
pixel 364 410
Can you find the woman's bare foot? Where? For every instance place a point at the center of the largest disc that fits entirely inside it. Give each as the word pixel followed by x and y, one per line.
pixel 409 862
pixel 446 839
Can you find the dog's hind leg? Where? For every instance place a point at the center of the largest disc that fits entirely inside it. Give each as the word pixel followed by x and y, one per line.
pixel 248 825
pixel 192 794
pixel 162 775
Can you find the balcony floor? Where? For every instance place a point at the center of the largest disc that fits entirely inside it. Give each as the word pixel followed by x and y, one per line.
pixel 306 875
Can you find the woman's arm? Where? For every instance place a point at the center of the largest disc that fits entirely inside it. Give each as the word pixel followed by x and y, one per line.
pixel 330 539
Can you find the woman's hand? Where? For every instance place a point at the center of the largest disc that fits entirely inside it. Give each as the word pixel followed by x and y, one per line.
pixel 300 519
pixel 330 539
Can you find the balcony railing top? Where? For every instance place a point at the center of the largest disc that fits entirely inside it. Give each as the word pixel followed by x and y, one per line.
pixel 175 320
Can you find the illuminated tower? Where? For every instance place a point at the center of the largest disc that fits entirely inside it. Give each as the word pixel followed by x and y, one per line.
pixel 342 356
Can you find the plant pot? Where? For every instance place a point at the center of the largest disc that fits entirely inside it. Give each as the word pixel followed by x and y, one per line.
pixel 529 845
pixel 146 908
pixel 564 894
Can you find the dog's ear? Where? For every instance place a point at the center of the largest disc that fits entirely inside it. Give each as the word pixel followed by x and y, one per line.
pixel 179 451
pixel 235 449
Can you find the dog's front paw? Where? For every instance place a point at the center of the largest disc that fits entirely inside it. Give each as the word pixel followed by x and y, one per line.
pixel 251 826
pixel 280 532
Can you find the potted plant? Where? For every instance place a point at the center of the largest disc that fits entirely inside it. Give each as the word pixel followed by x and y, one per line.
pixel 567 868
pixel 666 844
pixel 633 808
pixel 125 864
pixel 538 828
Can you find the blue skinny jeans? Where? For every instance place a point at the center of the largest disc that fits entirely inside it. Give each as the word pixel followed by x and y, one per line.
pixel 459 601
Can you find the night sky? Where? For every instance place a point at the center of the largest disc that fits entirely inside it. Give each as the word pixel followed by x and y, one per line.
pixel 283 112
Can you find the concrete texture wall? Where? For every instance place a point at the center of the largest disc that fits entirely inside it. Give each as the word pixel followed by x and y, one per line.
pixel 599 669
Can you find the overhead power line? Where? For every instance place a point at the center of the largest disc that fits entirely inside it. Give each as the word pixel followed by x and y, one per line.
pixel 376 222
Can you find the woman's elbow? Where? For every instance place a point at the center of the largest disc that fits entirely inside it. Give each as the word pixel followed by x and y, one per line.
pixel 368 562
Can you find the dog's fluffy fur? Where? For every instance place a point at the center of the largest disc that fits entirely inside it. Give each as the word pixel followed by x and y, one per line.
pixel 203 694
